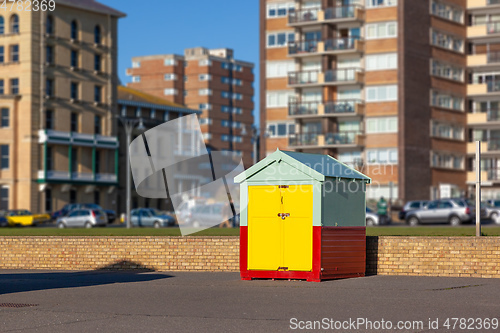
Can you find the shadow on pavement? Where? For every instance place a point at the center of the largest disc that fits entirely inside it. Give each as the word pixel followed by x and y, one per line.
pixel 22 282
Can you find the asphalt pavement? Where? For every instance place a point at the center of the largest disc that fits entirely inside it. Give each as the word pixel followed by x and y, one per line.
pixel 94 301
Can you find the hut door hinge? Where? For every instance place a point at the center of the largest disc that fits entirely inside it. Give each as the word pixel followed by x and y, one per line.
pixel 282 268
pixel 283 215
pixel 283 186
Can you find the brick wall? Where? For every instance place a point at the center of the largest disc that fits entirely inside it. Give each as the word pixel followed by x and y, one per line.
pixel 429 256
pixel 434 256
pixel 89 253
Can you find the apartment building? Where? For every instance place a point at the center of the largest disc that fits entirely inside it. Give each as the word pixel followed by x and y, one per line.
pixel 483 94
pixel 151 111
pixel 57 95
pixel 378 84
pixel 211 81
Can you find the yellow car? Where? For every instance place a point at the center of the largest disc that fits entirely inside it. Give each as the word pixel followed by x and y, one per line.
pixel 23 217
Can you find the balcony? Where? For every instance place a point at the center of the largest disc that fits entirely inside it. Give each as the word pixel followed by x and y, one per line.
pixel 76 177
pixel 327 46
pixel 324 109
pixel 343 76
pixel 329 15
pixel 476 4
pixel 490 59
pixel 483 117
pixel 77 139
pixel 327 140
pixel 483 30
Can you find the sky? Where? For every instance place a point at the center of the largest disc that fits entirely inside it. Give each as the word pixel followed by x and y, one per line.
pixel 170 26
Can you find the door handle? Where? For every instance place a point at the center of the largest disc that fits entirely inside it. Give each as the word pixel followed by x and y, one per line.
pixel 283 215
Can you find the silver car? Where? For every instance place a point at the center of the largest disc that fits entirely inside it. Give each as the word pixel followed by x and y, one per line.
pixel 452 211
pixel 149 217
pixel 371 218
pixel 87 218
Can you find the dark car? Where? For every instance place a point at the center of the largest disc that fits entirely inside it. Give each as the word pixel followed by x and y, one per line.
pixel 411 205
pixel 111 214
pixel 3 221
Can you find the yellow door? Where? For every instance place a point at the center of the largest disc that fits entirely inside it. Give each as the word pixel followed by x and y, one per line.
pixel 298 229
pixel 275 243
pixel 264 228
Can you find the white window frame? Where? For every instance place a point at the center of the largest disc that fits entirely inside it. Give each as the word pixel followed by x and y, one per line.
pixel 170 91
pixel 386 30
pixel 276 6
pixel 377 90
pixel 169 62
pixel 136 78
pixel 382 125
pixel 275 34
pixel 205 62
pixel 170 77
pixel 275 124
pixel 385 3
pixel 381 61
pixel 136 64
pixel 205 92
pixel 278 69
pixel 204 77
pixel 379 152
pixel 278 95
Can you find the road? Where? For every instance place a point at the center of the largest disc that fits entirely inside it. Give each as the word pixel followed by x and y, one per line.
pixel 219 302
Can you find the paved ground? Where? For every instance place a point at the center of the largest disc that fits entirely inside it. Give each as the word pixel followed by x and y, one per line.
pixel 220 302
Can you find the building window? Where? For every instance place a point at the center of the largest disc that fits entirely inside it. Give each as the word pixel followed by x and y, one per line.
pixel 279 68
pixel 97 34
pixel 48 200
pixel 279 39
pixel 136 64
pixel 382 93
pixel 4 122
pixel 14 24
pixel 14 86
pixel 49 119
pixel 447 41
pixel 170 77
pixel 136 78
pixel 49 88
pixel 2 54
pixel 381 30
pixel 278 99
pixel 97 197
pixel 185 93
pixel 2 90
pixel 49 55
pixel 152 114
pixel 447 71
pixel 447 160
pixel 382 125
pixel 74 90
pixel 74 58
pixel 280 10
pixel 170 62
pixel 4 156
pixel 447 11
pixel 233 138
pixel 205 106
pixel 72 196
pixel 204 77
pixel 381 3
pixel 447 131
pixel 203 62
pixel 447 101
pixel 48 159
pixel 170 91
pixel 227 109
pixel 97 162
pixel 4 198
pixel 376 62
pixel 97 94
pixel 14 53
pixel 227 123
pixel 74 122
pixel 2 25
pixel 97 62
pixel 49 25
pixel 382 156
pixel 205 92
pixel 278 130
pixel 74 30
pixel 205 121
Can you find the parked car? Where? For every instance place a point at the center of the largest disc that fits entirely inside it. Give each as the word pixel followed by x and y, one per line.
pixel 150 217
pixel 3 221
pixel 111 214
pixel 452 211
pixel 371 218
pixel 209 215
pixel 411 205
pixel 492 208
pixel 23 217
pixel 84 217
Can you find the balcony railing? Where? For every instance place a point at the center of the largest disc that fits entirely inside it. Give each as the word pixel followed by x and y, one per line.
pixel 303 77
pixel 493 174
pixel 305 139
pixel 341 12
pixel 77 139
pixel 77 176
pixel 328 139
pixel 494 144
pixel 493 2
pixel 493 85
pixel 305 15
pixel 303 108
pixel 493 56
pixel 327 45
pixel 493 27
pixel 341 138
pixel 341 75
pixel 342 106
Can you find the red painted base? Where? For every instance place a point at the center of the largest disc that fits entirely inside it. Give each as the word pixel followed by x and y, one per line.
pixel 333 268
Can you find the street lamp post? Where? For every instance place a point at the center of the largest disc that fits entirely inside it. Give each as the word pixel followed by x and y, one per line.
pixel 128 125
